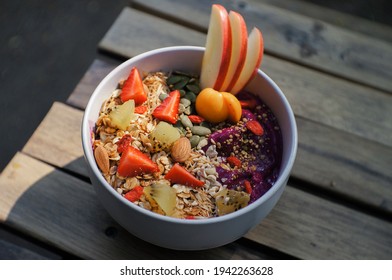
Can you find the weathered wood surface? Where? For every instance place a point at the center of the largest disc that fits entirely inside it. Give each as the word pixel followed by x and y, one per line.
pixel 81 94
pixel 295 198
pixel 313 95
pixel 334 17
pixel 16 248
pixel 338 204
pixel 326 156
pixel 295 37
pixel 64 212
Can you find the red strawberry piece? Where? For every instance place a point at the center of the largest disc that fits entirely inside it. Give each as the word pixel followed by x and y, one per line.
pixel 134 194
pixel 234 161
pixel 140 109
pixel 255 127
pixel 168 109
pixel 179 175
pixel 196 119
pixel 124 143
pixel 248 187
pixel 248 103
pixel 133 88
pixel 133 163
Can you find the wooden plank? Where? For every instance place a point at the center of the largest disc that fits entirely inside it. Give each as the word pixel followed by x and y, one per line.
pixel 295 37
pixel 337 18
pixel 326 157
pixel 14 247
pixel 81 94
pixel 63 211
pixel 319 97
pixel 57 139
pixel 313 228
pixel 143 38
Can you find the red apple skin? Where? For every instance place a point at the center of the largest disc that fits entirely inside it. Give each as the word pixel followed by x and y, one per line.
pixel 217 55
pixel 253 60
pixel 238 51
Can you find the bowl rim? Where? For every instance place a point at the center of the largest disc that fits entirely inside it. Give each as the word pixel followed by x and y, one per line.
pixel 87 149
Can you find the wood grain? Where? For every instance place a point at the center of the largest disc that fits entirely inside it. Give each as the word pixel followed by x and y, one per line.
pixel 295 37
pixel 85 88
pixel 57 140
pixel 334 17
pixel 144 33
pixel 63 211
pixel 326 157
pixel 319 97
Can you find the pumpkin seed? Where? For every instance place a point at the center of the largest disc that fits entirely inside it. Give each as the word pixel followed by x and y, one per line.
pixel 195 139
pixel 193 88
pixel 190 96
pixel 173 79
pixel 186 122
pixel 182 93
pixel 181 84
pixel 200 130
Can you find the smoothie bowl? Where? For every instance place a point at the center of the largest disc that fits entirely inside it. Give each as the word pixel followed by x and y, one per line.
pixel 183 165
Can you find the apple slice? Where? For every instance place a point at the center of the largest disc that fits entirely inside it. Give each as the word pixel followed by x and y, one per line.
pixel 217 55
pixel 254 55
pixel 239 39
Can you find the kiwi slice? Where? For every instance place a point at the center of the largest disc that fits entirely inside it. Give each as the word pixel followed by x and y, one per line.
pixel 162 197
pixel 228 201
pixel 163 136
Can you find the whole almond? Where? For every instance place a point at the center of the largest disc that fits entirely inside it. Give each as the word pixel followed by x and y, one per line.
pixel 102 159
pixel 181 150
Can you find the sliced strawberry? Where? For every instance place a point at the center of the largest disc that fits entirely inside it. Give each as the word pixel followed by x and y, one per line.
pixel 248 103
pixel 134 194
pixel 255 127
pixel 141 109
pixel 133 88
pixel 248 187
pixel 196 119
pixel 179 175
pixel 234 161
pixel 133 163
pixel 168 109
pixel 124 143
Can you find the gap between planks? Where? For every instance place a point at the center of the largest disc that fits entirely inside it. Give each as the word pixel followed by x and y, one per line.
pixel 64 211
pixel 329 100
pixel 304 40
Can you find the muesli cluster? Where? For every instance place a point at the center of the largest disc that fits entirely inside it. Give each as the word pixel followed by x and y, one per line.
pixel 155 150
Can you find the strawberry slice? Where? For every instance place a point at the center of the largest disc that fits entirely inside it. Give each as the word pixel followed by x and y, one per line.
pixel 141 109
pixel 168 109
pixel 133 88
pixel 179 175
pixel 248 103
pixel 234 161
pixel 134 194
pixel 255 127
pixel 196 119
pixel 133 163
pixel 124 143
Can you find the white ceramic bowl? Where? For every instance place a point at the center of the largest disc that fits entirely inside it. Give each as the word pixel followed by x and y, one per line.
pixel 172 232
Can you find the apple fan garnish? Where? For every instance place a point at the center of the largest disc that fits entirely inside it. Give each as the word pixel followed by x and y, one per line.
pixel 231 58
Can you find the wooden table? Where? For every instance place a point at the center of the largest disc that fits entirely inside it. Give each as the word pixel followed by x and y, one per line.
pixel 338 203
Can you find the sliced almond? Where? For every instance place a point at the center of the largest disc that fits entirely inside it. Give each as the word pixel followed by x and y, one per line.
pixel 181 150
pixel 102 159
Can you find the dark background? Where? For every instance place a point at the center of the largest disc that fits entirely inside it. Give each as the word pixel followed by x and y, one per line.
pixel 46 46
